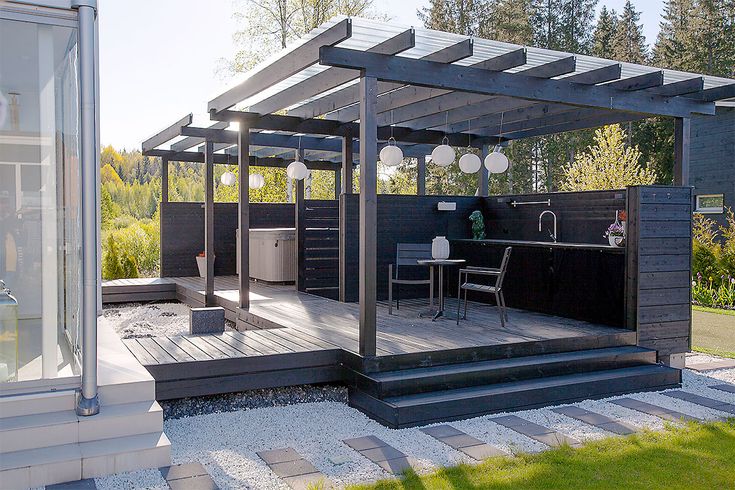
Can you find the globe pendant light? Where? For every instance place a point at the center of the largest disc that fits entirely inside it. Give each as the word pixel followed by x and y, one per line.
pixel 391 154
pixel 297 170
pixel 496 162
pixel 228 178
pixel 256 181
pixel 443 155
pixel 469 163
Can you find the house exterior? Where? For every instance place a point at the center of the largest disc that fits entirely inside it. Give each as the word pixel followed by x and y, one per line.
pixel 712 163
pixel 69 391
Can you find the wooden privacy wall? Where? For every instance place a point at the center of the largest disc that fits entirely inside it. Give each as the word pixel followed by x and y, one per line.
pixel 582 217
pixel 182 233
pixel 658 289
pixel 317 247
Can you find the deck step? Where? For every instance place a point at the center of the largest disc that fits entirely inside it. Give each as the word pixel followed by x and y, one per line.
pixel 446 405
pixel 454 376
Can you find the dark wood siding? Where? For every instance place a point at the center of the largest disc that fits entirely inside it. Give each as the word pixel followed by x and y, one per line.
pixel 318 248
pixel 182 233
pixel 658 288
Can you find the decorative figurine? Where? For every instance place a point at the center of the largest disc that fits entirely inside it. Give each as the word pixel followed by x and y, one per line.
pixel 478 225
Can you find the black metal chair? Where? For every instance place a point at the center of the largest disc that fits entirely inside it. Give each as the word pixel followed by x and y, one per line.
pixel 496 288
pixel 407 255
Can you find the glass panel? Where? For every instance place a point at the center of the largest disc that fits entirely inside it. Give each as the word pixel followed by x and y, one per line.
pixel 713 203
pixel 39 193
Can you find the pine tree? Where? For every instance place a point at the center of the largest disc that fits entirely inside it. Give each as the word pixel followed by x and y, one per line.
pixel 602 38
pixel 457 16
pixel 508 21
pixel 629 43
pixel 565 25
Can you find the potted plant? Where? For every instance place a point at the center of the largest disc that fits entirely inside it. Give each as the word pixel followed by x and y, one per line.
pixel 202 264
pixel 615 235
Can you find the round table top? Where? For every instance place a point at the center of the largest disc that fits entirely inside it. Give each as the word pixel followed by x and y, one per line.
pixel 440 261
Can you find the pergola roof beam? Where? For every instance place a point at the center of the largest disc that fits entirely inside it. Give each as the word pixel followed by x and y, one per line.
pixel 592 120
pixel 468 79
pixel 683 87
pixel 639 82
pixel 715 93
pixel 192 141
pixel 331 77
pixel 412 94
pixel 220 158
pixel 167 134
pixel 348 95
pixel 432 112
pixel 294 61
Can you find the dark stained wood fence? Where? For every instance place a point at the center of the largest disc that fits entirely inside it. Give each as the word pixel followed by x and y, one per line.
pixel 318 247
pixel 182 233
pixel 658 289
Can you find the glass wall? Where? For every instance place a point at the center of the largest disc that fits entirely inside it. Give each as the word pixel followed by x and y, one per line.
pixel 40 228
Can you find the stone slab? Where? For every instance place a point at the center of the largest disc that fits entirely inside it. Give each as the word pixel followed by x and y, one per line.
pixel 207 320
pixel 282 455
pixel 441 431
pixel 383 453
pixel 293 468
pixel 460 441
pixel 655 410
pixel 534 431
pixel 363 443
pixel 396 466
pixel 711 366
pixel 596 419
pixel 482 451
pixel 86 484
pixel 311 481
pixel 725 387
pixel 702 400
pixel 186 470
pixel 201 482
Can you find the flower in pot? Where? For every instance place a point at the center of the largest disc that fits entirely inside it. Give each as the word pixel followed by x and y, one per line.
pixel 202 264
pixel 615 235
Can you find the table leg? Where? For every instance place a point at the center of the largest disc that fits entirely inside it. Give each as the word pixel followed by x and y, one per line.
pixel 431 311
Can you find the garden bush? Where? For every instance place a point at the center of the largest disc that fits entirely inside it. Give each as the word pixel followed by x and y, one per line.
pixel 713 261
pixel 132 250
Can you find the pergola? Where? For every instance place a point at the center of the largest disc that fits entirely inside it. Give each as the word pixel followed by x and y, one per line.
pixel 354 83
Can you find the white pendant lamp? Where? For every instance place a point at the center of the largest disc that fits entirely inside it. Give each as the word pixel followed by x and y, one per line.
pixel 469 163
pixel 496 162
pixel 443 155
pixel 391 154
pixel 256 181
pixel 297 169
pixel 228 179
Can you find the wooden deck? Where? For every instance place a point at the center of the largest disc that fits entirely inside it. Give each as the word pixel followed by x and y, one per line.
pixel 298 338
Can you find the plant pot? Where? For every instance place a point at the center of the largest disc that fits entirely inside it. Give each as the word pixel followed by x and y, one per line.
pixel 615 240
pixel 440 248
pixel 202 265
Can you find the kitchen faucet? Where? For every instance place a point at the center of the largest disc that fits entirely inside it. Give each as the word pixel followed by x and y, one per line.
pixel 541 216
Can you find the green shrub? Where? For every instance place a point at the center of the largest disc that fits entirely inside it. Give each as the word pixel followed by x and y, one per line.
pixel 117 264
pixel 713 262
pixel 132 250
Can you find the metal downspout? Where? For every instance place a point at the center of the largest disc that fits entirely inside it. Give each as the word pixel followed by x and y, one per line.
pixel 87 401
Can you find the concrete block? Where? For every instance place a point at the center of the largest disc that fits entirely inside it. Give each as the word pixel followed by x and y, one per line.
pixel 207 320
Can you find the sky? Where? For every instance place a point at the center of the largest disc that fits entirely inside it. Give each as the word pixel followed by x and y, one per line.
pixel 159 59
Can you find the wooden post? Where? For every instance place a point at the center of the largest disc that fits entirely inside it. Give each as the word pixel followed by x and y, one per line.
pixel 300 209
pixel 342 247
pixel 483 176
pixel 164 199
pixel 347 163
pixel 682 139
pixel 368 213
pixel 337 183
pixel 164 179
pixel 209 222
pixel 421 176
pixel 243 216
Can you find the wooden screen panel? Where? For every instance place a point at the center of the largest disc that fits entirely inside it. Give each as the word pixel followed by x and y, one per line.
pixel 318 248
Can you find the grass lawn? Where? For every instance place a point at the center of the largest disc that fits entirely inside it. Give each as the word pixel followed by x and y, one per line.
pixel 713 331
pixel 693 457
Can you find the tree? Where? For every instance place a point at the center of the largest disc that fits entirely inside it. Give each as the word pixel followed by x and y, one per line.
pixel 610 164
pixel 109 175
pixel 602 38
pixel 267 26
pixel 564 25
pixel 628 42
pixel 109 210
pixel 508 21
pixel 457 16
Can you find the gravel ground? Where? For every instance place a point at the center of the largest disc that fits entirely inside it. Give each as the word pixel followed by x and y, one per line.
pixel 225 432
pixel 132 320
pixel 146 479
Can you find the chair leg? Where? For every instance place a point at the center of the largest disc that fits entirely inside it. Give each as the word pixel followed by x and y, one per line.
pixel 390 297
pixel 431 287
pixel 505 310
pixel 465 304
pixel 500 310
pixel 459 296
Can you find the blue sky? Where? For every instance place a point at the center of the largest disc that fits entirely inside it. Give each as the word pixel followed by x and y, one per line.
pixel 158 58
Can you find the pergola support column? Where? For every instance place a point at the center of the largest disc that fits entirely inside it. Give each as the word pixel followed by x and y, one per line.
pixel 164 179
pixel 243 214
pixel 337 183
pixel 347 163
pixel 368 213
pixel 483 176
pixel 421 175
pixel 682 141
pixel 300 208
pixel 209 223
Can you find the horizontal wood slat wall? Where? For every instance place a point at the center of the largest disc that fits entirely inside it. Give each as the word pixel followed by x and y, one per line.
pixel 318 248
pixel 658 287
pixel 182 233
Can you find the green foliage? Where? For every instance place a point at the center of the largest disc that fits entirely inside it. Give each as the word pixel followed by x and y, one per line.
pixel 116 262
pixel 109 210
pixel 713 261
pixel 133 248
pixel 607 165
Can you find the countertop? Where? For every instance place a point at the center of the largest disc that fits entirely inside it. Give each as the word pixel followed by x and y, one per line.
pixel 524 243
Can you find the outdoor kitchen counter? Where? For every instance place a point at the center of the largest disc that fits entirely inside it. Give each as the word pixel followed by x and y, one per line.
pixel 524 243
pixel 573 280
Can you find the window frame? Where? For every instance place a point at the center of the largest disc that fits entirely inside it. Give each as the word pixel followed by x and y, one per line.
pixel 709 210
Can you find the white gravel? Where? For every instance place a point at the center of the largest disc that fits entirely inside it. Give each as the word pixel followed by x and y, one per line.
pixel 146 479
pixel 226 443
pixel 151 320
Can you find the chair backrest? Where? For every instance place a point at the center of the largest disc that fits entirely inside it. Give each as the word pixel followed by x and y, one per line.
pixel 408 253
pixel 503 267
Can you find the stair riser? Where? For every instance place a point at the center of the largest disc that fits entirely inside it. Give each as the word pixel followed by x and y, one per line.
pixel 16 406
pixel 487 353
pixel 482 405
pixel 424 384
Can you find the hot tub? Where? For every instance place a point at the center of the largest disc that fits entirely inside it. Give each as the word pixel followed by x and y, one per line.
pixel 272 254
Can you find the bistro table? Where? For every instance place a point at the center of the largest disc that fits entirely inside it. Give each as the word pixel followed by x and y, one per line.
pixel 440 264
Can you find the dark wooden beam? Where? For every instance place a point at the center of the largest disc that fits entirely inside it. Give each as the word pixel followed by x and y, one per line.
pixel 349 95
pixel 715 93
pixel 289 64
pixel 167 134
pixel 193 141
pixel 468 79
pixel 421 175
pixel 243 216
pixel 330 78
pixel 164 179
pixel 198 157
pixel 594 121
pixel 368 215
pixel 209 298
pixel 347 164
pixel 337 183
pixel 683 87
pixel 682 149
pixel 639 82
